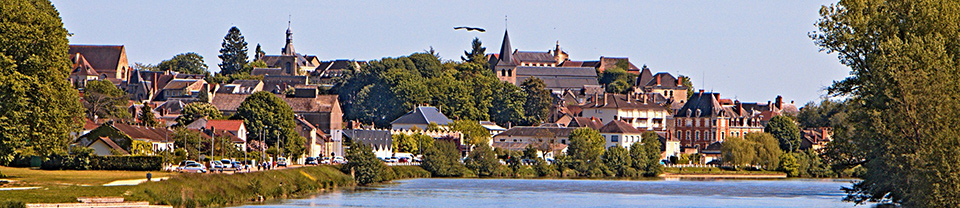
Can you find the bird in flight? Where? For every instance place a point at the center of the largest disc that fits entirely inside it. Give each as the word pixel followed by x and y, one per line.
pixel 470 28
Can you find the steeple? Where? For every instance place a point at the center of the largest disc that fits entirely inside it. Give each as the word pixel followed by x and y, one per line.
pixel 506 51
pixel 288 48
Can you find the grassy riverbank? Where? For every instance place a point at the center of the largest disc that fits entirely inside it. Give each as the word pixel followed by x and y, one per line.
pixel 717 171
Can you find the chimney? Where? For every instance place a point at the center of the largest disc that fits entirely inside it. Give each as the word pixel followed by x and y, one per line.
pixel 605 99
pixel 628 97
pixel 658 80
pixel 679 83
pixel 779 102
pixel 717 96
pixel 596 99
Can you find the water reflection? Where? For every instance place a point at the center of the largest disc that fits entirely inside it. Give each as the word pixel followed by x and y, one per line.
pixel 585 193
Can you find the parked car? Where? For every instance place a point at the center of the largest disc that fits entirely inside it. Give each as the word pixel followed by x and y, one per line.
pixel 282 162
pixel 325 160
pixel 216 165
pixel 192 168
pixel 237 165
pixel 227 164
pixel 311 161
pixel 404 159
pixel 338 160
pixel 185 162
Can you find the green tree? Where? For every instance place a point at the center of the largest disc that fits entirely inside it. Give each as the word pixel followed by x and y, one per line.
pixel 474 133
pixel 258 53
pixel 785 130
pixel 618 159
pixel 507 105
pixel 442 160
pixel 188 63
pixel 193 111
pixel 827 113
pixel 482 161
pixel 265 111
pixel 405 143
pixel 233 53
pixel 898 53
pixel 539 100
pixel 39 108
pixel 144 67
pixel 363 164
pixel 104 100
pixel 685 80
pixel 767 149
pixel 617 79
pixel 789 165
pixel 651 166
pixel 478 53
pixel 586 147
pixel 738 152
pixel 147 118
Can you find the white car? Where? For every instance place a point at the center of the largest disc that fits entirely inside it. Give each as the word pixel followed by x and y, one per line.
pixel 282 162
pixel 338 160
pixel 192 168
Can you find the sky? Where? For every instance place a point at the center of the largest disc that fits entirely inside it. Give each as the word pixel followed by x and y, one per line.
pixel 752 51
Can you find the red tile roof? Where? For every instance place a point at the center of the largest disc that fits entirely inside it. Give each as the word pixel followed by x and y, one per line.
pixel 229 125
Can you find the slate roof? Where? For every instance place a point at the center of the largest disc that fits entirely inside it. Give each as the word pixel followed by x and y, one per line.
pixel 82 67
pixel 559 77
pixel 645 77
pixel 267 71
pixel 369 136
pixel 704 102
pixel 518 146
pixel 532 56
pixel 423 115
pixel 322 103
pixel 619 127
pixel 592 123
pixel 279 83
pixel 177 84
pixel 145 133
pixel 506 52
pixel 103 58
pixel 619 101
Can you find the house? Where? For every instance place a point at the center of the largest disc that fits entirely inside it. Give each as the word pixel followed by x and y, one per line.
pixel 183 88
pixel 327 71
pixel 665 84
pixel 619 133
pixel 535 135
pixel 592 122
pixel 318 143
pixel 235 127
pixel 123 135
pixel 668 147
pixel 492 127
pixel 545 151
pixel 289 62
pixel 605 63
pixel 815 138
pixel 381 141
pixel 421 117
pixel 706 119
pixel 322 111
pixel 82 71
pixel 279 84
pixel 108 61
pixel 144 86
pixel 104 146
pixel 642 111
pixel 241 87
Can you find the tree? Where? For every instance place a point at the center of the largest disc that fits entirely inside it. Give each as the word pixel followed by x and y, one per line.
pixel 651 166
pixel 789 165
pixel 825 114
pixel 474 133
pixel 442 160
pixel 39 108
pixel 104 100
pixel 477 54
pixel 767 149
pixel 144 67
pixel 187 63
pixel 233 53
pixel 263 111
pixel 482 161
pixel 685 80
pixel 738 152
pixel 193 111
pixel 147 118
pixel 539 100
pixel 405 143
pixel 618 159
pixel 258 54
pixel 507 105
pixel 898 52
pixel 785 130
pixel 617 79
pixel 364 165
pixel 586 147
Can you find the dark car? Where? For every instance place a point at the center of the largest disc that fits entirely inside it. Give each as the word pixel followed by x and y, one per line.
pixel 311 161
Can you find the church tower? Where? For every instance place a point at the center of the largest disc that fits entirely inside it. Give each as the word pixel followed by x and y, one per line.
pixel 506 66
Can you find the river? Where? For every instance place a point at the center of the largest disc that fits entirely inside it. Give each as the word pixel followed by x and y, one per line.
pixel 433 192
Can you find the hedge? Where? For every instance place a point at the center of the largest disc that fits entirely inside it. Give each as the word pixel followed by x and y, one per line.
pixel 139 163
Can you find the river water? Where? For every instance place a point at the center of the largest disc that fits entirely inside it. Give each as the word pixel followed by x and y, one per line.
pixel 432 192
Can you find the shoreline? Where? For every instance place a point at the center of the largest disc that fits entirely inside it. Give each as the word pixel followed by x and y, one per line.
pixel 723 176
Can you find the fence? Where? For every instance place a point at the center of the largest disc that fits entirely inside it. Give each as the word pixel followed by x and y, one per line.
pixel 690 166
pixel 404 164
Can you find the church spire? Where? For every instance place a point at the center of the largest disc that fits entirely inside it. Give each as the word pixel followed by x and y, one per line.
pixel 506 50
pixel 288 48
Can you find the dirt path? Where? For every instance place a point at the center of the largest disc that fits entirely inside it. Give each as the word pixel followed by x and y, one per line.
pixel 132 182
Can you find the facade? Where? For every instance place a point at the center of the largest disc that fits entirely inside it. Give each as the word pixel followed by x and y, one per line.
pixel 235 128
pixel 535 135
pixel 123 135
pixel 704 120
pixel 289 62
pixel 619 133
pixel 815 138
pixel 516 67
pixel 642 111
pixel 380 140
pixel 241 87
pixel 664 84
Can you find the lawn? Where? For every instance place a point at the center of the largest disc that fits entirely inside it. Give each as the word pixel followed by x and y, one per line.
pixel 30 177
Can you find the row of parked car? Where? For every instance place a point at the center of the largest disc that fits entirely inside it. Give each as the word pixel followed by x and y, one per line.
pixel 325 160
pixel 191 166
pixel 402 159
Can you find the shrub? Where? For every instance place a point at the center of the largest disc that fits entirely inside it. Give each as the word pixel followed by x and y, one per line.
pixel 138 163
pixel 13 204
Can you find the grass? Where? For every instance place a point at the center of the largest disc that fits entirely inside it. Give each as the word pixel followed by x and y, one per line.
pixel 713 170
pixel 30 177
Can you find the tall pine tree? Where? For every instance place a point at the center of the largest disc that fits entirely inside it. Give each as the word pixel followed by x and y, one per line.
pixel 233 54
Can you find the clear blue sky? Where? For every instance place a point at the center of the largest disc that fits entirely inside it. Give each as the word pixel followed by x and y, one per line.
pixel 750 50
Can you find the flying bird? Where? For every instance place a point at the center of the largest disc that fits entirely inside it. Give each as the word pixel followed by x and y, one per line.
pixel 470 28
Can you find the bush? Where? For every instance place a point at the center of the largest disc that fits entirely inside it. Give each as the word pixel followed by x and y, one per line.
pixel 13 204
pixel 137 163
pixel 526 172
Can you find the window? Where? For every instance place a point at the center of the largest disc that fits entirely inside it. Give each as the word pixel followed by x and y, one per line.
pixel 688 136
pixel 614 138
pixel 679 133
pixel 698 135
